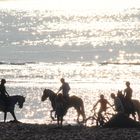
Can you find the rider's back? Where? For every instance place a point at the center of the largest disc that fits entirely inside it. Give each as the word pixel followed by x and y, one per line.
pixel 3 96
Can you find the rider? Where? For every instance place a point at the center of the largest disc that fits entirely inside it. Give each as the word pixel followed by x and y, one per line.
pixel 117 103
pixel 128 96
pixel 3 93
pixel 103 105
pixel 65 88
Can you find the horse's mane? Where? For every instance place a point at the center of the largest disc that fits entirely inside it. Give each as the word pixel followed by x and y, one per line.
pixel 49 91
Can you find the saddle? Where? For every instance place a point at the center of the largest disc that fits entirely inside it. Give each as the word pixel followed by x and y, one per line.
pixel 129 107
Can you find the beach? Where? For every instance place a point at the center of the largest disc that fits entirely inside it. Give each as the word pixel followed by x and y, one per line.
pixel 96 51
pixel 22 131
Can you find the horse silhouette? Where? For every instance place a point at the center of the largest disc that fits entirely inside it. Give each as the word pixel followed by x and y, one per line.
pixel 127 107
pixel 13 100
pixel 73 101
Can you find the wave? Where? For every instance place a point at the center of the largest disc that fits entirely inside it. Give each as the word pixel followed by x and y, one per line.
pixel 120 63
pixel 83 63
pixel 16 63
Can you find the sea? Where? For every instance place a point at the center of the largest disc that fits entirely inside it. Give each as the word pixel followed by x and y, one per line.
pixel 95 51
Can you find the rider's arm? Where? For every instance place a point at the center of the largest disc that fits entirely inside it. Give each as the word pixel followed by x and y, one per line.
pixel 95 105
pixel 111 105
pixel 6 93
pixel 59 89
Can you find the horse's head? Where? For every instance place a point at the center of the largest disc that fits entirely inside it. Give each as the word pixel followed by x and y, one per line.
pixel 20 101
pixel 120 94
pixel 46 94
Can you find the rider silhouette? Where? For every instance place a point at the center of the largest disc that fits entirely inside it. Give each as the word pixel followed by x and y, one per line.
pixel 3 93
pixel 65 88
pixel 128 96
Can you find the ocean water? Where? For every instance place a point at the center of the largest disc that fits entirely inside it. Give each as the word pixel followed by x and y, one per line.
pixel 95 51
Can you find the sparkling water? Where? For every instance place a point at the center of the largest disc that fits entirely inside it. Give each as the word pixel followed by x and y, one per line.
pixel 95 51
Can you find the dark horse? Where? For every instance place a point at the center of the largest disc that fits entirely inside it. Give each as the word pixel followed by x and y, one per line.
pixel 13 100
pixel 73 101
pixel 127 106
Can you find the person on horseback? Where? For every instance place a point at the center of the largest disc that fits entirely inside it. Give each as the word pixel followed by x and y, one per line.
pixel 65 88
pixel 117 103
pixel 3 93
pixel 128 97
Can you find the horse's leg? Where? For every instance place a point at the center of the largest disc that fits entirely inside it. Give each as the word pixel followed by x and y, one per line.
pixel 78 114
pixel 58 121
pixel 83 115
pixel 138 115
pixel 52 115
pixel 82 111
pixel 13 114
pixel 5 115
pixel 61 120
pixel 134 116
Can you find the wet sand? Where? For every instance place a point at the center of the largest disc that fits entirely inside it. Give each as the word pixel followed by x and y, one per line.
pixel 23 131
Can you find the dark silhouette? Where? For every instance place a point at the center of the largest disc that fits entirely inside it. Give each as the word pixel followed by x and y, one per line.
pixel 136 105
pixel 120 120
pixel 119 108
pixel 103 107
pixel 128 98
pixel 3 93
pixel 60 108
pixel 99 121
pixel 65 88
pixel 13 100
pixel 73 101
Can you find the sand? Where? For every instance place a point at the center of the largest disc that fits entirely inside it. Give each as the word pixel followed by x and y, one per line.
pixel 24 131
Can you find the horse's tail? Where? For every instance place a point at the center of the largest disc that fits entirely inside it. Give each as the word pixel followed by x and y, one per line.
pixel 82 108
pixel 136 104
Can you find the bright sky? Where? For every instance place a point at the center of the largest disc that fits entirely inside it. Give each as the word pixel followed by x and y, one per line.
pixel 69 4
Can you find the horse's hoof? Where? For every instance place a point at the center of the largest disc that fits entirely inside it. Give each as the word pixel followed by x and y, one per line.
pixel 14 121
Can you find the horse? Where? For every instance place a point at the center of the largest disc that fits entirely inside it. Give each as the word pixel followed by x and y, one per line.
pixel 73 101
pixel 12 101
pixel 136 105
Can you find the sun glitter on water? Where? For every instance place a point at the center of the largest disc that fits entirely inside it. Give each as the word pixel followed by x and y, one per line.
pixel 69 4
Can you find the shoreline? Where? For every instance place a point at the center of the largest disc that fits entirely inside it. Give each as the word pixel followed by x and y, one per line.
pixel 22 131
